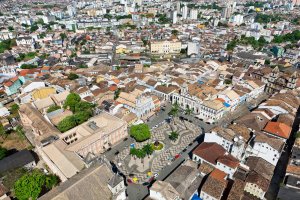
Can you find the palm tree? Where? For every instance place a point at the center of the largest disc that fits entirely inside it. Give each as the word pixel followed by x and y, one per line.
pixel 175 109
pixel 148 149
pixel 133 152
pixel 188 111
pixel 173 136
pixel 141 154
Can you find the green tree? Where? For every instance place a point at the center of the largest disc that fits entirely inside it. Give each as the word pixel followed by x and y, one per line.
pixel 140 132
pixel 173 136
pixel 28 66
pixel 81 117
pixel 63 36
pixel 174 32
pixel 73 76
pixel 227 81
pixel 3 152
pixel 7 45
pixel 117 93
pixel 31 184
pixel 10 28
pixel 133 151
pixel 50 181
pixel 175 109
pixel 84 106
pixel 14 108
pixel 82 65
pixel 148 149
pixel 33 28
pixel 66 124
pixel 2 130
pixel 72 100
pixel 53 108
pixel 267 62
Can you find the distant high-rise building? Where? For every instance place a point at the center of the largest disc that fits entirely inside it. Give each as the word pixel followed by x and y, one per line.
pixel 228 10
pixel 174 16
pixel 296 2
pixel 184 11
pixel 193 14
pixel 193 48
pixel 178 6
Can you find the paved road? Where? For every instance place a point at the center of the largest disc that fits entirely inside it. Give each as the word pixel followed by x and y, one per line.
pixel 119 147
pixel 160 117
pixel 166 171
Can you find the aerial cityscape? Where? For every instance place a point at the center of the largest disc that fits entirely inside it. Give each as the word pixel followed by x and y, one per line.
pixel 149 99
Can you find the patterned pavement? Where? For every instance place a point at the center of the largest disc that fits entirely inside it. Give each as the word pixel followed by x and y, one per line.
pixel 187 133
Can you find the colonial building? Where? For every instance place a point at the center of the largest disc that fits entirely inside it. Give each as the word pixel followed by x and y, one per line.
pixel 277 81
pixel 216 156
pixel 71 152
pixel 138 103
pixel 165 47
pixel 200 100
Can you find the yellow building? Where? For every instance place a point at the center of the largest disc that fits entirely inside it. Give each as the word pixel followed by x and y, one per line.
pixel 43 93
pixel 100 78
pixel 201 26
pixel 121 49
pixel 165 47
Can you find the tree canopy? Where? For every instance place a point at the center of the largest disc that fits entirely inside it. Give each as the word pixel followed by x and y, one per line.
pixel 73 76
pixel 3 152
pixel 289 37
pixel 28 66
pixel 173 136
pixel 53 108
pixel 72 100
pixel 7 45
pixel 140 132
pixel 82 112
pixel 31 184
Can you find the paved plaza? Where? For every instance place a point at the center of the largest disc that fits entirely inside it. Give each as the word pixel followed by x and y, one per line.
pixel 139 168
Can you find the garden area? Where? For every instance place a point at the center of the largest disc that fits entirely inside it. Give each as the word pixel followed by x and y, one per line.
pixel 25 184
pixel 81 110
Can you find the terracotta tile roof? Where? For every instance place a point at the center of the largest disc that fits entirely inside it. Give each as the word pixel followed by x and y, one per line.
pixel 260 166
pixel 266 111
pixel 24 72
pixel 113 88
pixel 257 179
pixel 205 168
pixel 116 81
pixel 274 142
pixel 165 89
pixel 209 152
pixel 241 130
pixel 229 161
pixel 287 119
pixel 279 129
pixel 237 190
pixel 254 121
pixel 214 184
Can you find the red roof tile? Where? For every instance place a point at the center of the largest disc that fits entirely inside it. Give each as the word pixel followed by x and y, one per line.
pixel 229 161
pixel 278 129
pixel 209 152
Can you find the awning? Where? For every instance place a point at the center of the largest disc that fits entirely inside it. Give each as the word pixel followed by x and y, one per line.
pixel 227 105
pixel 195 197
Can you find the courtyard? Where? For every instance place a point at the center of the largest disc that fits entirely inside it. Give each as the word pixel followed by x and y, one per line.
pixel 142 169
